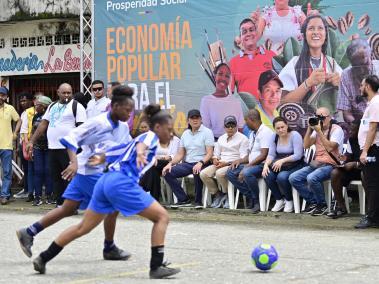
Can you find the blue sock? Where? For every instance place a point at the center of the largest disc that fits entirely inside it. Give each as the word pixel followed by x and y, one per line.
pixel 108 245
pixel 34 229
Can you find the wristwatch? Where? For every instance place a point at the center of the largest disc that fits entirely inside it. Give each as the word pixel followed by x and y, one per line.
pixel 201 161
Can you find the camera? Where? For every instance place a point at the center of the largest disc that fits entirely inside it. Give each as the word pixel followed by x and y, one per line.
pixel 314 120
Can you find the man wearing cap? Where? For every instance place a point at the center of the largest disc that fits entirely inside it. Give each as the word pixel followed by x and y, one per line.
pixel 244 172
pixel 195 152
pixel 270 94
pixel 7 115
pixel 230 147
pixel 40 155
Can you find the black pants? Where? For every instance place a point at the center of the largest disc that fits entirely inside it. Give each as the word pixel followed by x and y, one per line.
pixel 58 161
pixel 151 180
pixel 371 177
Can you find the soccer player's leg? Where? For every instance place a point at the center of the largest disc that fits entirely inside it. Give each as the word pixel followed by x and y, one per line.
pixel 90 220
pixel 111 251
pixel 26 235
pixel 159 216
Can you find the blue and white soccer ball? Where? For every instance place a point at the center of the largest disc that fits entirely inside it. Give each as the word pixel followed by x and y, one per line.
pixel 264 257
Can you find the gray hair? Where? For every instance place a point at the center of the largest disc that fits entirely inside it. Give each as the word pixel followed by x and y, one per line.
pixel 354 47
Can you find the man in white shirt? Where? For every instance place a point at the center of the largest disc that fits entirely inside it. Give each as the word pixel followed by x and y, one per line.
pixel 100 102
pixel 244 173
pixel 59 119
pixel 230 147
pixel 368 138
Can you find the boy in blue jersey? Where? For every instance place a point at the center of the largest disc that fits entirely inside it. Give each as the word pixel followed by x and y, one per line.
pixel 118 190
pixel 96 135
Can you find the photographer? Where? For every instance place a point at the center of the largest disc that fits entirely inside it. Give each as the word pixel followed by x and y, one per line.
pixel 351 170
pixel 308 181
pixel 368 137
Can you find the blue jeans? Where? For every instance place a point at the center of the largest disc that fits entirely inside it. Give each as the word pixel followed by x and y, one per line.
pixel 279 184
pixel 6 164
pixel 41 173
pixel 182 170
pixel 249 185
pixel 30 177
pixel 309 182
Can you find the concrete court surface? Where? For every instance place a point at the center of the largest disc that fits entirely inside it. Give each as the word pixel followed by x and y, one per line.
pixel 208 246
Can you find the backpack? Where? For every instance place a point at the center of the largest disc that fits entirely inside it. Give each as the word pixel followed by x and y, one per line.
pixel 74 109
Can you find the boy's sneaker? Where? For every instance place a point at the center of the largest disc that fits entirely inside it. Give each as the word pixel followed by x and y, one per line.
pixel 39 265
pixel 37 201
pixel 26 241
pixel 337 213
pixel 320 210
pixel 309 208
pixel 163 271
pixel 185 203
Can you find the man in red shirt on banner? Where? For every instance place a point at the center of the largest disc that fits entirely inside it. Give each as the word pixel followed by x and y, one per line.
pixel 252 60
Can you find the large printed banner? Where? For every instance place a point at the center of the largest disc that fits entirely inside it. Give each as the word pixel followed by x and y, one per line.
pixel 168 52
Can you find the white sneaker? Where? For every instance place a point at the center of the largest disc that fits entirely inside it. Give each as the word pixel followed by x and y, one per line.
pixel 279 205
pixel 288 208
pixel 21 194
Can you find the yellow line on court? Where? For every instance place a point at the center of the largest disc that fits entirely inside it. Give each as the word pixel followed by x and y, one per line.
pixel 124 274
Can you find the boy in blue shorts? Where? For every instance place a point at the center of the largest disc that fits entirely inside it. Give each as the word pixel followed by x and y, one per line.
pixel 118 190
pixel 94 136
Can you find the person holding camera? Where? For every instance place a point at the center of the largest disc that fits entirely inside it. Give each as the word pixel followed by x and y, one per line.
pixel 350 170
pixel 308 181
pixel 368 137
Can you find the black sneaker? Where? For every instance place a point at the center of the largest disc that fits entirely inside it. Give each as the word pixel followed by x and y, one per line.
pixel 37 201
pixel 26 241
pixel 320 210
pixel 309 208
pixel 39 265
pixel 198 206
pixel 163 271
pixel 337 213
pixel 366 223
pixel 116 254
pixel 30 198
pixel 185 203
pixel 49 199
pixel 256 208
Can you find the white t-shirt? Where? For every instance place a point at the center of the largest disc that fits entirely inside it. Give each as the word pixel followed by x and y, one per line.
pixel 24 123
pixel 96 107
pixel 61 121
pixel 261 139
pixel 371 114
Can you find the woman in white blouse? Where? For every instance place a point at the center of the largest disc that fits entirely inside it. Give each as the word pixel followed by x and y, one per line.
pixel 151 181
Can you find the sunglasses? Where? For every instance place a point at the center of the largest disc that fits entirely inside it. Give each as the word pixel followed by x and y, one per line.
pixel 232 125
pixel 97 89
